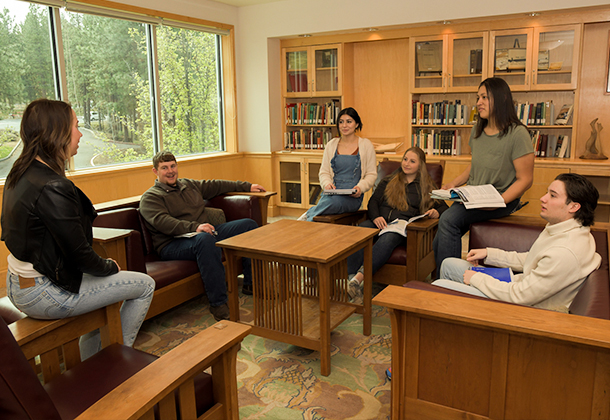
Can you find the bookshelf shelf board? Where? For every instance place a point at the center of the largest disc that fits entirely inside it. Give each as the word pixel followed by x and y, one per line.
pixel 327 68
pixel 554 71
pixel 467 75
pixel 441 126
pixel 604 200
pixel 296 70
pixel 510 73
pixel 429 77
pixel 534 127
pixel 290 181
pixel 310 125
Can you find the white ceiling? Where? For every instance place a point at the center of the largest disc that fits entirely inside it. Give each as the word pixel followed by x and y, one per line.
pixel 239 3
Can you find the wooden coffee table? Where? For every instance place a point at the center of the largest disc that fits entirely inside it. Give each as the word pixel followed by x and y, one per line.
pixel 299 273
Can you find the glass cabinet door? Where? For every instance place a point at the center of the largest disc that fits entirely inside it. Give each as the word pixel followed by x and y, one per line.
pixel 297 73
pixel 326 62
pixel 558 49
pixel 428 54
pixel 511 57
pixel 467 61
pixel 315 189
pixel 290 179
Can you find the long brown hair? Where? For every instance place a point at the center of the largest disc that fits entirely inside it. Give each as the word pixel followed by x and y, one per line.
pixel 46 132
pixel 502 108
pixel 395 192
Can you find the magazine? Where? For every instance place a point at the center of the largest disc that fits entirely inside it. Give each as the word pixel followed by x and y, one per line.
pixel 473 196
pixel 400 225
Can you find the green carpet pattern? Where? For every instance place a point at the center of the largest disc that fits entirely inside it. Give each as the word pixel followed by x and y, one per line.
pixel 281 381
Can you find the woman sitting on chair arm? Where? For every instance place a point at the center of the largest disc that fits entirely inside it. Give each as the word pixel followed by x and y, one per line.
pixel 401 195
pixel 53 272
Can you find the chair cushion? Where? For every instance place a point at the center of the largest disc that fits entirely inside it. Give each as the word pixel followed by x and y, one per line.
pixel 80 387
pixel 9 312
pixel 167 272
pixel 21 394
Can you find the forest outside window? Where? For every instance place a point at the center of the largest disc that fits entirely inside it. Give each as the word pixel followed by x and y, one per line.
pixel 136 87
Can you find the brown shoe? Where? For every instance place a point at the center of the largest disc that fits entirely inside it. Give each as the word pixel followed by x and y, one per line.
pixel 220 312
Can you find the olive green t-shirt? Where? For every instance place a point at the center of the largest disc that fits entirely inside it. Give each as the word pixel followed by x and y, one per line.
pixel 493 156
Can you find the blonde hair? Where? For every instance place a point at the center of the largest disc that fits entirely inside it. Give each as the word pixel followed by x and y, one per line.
pixel 395 193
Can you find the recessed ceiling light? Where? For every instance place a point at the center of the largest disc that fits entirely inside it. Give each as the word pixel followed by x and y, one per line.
pixel 533 14
pixel 305 36
pixel 445 22
pixel 370 29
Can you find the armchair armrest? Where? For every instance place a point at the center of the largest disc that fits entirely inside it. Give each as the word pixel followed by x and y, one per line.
pixel 214 347
pixel 353 218
pixel 263 201
pixel 422 225
pixel 238 207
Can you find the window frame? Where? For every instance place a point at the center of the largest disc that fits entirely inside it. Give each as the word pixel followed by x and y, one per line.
pixel 153 18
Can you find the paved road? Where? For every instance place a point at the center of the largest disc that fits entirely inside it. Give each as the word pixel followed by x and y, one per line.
pixel 83 159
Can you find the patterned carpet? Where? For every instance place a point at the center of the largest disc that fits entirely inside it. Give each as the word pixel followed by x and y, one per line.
pixel 282 381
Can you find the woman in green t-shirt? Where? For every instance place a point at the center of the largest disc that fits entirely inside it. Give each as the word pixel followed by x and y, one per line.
pixel 502 155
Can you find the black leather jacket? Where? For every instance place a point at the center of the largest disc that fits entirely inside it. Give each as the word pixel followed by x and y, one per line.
pixel 47 221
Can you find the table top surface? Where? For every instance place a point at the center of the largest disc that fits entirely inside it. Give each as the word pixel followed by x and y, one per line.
pixel 310 241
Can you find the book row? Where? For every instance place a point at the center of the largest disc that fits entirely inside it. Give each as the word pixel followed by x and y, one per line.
pixel 550 145
pixel 438 142
pixel 303 113
pixel 292 193
pixel 307 138
pixel 443 113
pixel 542 113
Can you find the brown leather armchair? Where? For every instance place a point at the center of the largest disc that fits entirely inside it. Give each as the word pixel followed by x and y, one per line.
pixel 416 260
pixel 98 387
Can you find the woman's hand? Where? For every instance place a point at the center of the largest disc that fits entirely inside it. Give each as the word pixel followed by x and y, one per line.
pixel 476 255
pixel 117 264
pixel 330 187
pixel 380 222
pixel 432 214
pixel 358 192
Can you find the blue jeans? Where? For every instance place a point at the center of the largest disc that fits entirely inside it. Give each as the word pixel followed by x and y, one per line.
pixel 455 222
pixel 46 300
pixel 202 249
pixel 452 277
pixel 382 249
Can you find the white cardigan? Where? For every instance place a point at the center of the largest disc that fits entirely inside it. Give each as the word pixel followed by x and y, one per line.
pixel 368 162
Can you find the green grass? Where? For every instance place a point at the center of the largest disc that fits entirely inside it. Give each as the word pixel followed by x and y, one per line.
pixel 4 151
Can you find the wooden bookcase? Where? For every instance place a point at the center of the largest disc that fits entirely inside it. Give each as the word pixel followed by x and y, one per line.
pixel 565 61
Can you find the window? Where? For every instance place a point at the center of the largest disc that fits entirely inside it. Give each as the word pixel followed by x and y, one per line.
pixel 136 87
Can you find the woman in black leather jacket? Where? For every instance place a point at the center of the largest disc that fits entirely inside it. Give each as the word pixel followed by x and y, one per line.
pixel 53 272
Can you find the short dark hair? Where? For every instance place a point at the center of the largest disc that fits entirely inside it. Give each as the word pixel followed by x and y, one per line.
pixel 352 113
pixel 163 156
pixel 580 190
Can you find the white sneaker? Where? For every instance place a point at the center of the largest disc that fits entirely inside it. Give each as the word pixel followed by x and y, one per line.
pixel 354 289
pixel 303 217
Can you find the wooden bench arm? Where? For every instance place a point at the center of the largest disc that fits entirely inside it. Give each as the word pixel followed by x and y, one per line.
pixel 352 218
pixel 422 225
pixel 214 347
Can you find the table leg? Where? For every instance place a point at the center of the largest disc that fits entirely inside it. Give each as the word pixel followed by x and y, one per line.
pixel 231 278
pixel 368 288
pixel 324 277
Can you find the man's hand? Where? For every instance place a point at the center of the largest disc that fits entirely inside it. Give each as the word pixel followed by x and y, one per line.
pixel 467 276
pixel 475 255
pixel 207 228
pixel 257 188
pixel 358 192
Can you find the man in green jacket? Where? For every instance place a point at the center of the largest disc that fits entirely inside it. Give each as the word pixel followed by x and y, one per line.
pixel 183 228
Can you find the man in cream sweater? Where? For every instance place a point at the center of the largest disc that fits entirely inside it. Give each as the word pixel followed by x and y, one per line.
pixel 558 262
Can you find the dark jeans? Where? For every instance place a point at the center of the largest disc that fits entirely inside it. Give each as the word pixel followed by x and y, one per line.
pixel 455 222
pixel 382 249
pixel 202 248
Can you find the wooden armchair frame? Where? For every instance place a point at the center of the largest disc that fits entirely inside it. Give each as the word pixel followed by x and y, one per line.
pixel 216 348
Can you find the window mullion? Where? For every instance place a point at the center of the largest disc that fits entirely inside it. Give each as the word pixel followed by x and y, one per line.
pixel 153 77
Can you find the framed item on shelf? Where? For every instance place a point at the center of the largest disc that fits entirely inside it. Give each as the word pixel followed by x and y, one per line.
pixel 429 57
pixel 516 57
pixel 543 60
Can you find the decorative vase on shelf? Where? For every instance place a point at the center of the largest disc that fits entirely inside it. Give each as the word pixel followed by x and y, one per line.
pixel 592 150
